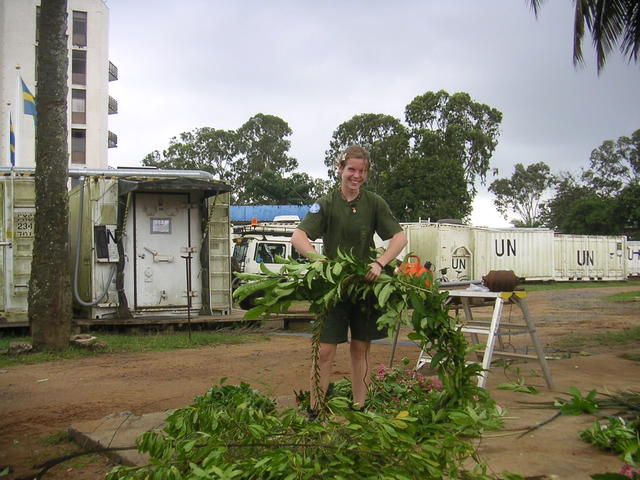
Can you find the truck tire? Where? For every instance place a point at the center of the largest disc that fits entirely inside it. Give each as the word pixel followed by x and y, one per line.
pixel 250 302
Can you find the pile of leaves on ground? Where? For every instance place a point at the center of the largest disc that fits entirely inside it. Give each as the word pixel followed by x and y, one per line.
pixel 414 428
pixel 617 432
pixel 616 428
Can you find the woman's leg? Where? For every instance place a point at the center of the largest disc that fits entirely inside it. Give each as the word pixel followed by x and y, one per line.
pixel 359 370
pixel 326 354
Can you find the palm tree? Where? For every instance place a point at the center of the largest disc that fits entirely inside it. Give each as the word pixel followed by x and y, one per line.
pixel 49 286
pixel 609 21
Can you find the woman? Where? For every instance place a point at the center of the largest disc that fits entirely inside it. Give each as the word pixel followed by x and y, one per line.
pixel 347 218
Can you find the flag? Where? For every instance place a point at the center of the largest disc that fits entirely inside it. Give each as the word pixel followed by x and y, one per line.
pixel 12 143
pixel 29 101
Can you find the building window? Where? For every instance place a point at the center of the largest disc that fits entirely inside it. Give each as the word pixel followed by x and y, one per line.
pixel 78 146
pixel 79 67
pixel 80 29
pixel 78 106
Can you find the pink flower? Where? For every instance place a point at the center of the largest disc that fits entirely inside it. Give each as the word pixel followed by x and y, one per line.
pixel 629 471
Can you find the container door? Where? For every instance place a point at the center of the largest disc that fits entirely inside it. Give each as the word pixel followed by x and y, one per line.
pixel 162 236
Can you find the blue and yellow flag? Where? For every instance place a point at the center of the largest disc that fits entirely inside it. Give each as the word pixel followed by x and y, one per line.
pixel 12 143
pixel 28 100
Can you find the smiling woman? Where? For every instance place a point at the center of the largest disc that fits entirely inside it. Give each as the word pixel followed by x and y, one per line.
pixel 347 219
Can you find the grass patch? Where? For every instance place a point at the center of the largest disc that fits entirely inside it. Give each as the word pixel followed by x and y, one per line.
pixel 540 287
pixel 57 438
pixel 605 339
pixel 632 296
pixel 141 343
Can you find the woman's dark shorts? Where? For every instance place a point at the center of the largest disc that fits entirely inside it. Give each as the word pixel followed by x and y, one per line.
pixel 355 316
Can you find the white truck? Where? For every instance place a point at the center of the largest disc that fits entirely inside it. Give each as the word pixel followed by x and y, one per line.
pixel 261 243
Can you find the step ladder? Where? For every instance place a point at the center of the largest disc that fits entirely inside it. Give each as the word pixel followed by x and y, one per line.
pixel 492 329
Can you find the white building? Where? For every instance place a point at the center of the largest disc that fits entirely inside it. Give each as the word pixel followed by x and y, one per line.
pixel 90 72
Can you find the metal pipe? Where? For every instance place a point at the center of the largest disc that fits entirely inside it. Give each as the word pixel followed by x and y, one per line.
pixel 460 284
pixel 120 172
pixel 76 268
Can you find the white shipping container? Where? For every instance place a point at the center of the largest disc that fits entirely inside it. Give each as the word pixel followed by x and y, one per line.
pixel 17 211
pixel 165 216
pixel 174 250
pixel 446 246
pixel 633 258
pixel 589 257
pixel 526 251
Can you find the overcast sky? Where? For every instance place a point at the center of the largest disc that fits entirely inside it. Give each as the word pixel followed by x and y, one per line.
pixel 185 64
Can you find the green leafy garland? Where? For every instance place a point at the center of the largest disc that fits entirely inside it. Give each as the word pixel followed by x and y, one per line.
pixel 324 282
pixel 233 432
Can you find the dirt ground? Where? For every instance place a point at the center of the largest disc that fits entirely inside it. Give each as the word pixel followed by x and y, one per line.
pixel 39 401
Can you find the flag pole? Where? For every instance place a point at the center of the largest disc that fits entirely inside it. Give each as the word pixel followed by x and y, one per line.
pixel 16 128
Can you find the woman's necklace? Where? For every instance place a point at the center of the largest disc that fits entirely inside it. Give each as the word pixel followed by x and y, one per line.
pixel 351 204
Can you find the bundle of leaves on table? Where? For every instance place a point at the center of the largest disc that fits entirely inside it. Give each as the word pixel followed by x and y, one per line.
pixel 234 432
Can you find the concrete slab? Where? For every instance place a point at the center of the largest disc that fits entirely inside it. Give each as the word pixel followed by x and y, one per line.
pixel 118 431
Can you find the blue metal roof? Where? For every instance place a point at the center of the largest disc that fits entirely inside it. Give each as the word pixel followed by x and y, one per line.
pixel 265 213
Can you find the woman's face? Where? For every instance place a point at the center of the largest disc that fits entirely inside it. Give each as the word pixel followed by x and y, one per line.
pixel 353 174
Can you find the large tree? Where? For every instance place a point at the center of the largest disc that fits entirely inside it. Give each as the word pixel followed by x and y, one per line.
pixel 384 136
pixel 428 167
pixel 628 210
pixel 271 188
pixel 613 165
pixel 49 287
pixel 522 193
pixel 204 148
pixel 263 146
pixel 610 22
pixel 464 131
pixel 259 147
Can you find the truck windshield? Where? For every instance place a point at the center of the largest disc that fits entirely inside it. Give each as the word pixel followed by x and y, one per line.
pixel 266 252
pixel 239 252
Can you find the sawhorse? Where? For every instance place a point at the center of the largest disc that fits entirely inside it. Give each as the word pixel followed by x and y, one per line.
pixel 492 330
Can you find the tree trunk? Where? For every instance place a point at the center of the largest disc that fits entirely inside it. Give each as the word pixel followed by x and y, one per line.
pixel 50 286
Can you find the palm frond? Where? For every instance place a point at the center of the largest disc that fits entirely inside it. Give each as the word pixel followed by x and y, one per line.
pixel 535 5
pixel 607 25
pixel 631 38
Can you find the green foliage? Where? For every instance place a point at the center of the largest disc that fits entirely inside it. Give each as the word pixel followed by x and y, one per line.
pixel 413 430
pixel 260 146
pixel 618 436
pixel 444 148
pixel 523 192
pixel 518 387
pixel 323 282
pixel 606 199
pixel 234 432
pixel 613 165
pixel 296 189
pixel 578 404
pixel 610 22
pixel 389 390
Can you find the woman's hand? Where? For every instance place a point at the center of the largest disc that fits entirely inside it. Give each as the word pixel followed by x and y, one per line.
pixel 375 269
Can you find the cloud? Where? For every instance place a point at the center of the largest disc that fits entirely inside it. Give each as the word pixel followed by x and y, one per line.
pixel 185 65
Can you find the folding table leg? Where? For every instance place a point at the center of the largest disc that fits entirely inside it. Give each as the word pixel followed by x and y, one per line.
pixel 522 303
pixel 491 340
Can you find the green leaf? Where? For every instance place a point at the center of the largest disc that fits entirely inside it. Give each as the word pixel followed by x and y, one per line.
pixel 384 294
pixel 515 387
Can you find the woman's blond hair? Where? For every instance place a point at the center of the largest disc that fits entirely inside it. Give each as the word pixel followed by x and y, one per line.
pixel 354 151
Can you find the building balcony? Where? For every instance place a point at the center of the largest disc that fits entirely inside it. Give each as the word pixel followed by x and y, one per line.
pixel 113 140
pixel 113 105
pixel 113 72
